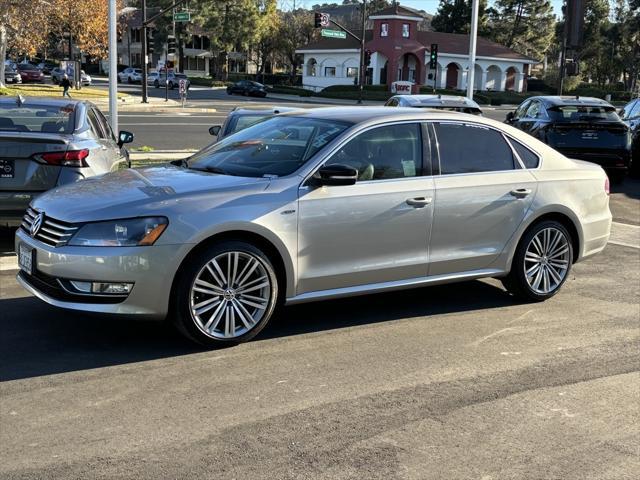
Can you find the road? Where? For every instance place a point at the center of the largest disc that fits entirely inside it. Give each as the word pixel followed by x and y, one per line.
pixel 448 382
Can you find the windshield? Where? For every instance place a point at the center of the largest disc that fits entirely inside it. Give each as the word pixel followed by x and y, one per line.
pixel 277 146
pixel 240 122
pixel 36 118
pixel 576 113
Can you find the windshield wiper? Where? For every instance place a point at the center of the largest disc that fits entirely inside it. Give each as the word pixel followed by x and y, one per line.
pixel 180 163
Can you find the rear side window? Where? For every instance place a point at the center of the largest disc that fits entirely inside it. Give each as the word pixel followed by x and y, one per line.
pixel 529 158
pixel 469 149
pixel 94 124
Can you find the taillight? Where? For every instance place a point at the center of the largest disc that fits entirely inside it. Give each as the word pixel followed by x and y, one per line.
pixel 606 186
pixel 70 158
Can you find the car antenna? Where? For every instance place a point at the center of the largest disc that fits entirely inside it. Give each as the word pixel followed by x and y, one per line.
pixel 20 100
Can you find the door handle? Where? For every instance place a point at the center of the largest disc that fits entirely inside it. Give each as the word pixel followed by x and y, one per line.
pixel 520 192
pixel 419 202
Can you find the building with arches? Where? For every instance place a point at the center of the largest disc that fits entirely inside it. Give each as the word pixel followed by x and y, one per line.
pixel 401 52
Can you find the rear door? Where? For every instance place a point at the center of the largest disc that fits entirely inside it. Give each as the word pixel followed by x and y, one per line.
pixel 481 196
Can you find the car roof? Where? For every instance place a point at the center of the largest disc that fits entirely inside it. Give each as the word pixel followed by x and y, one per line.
pixel 44 101
pixel 571 101
pixel 438 100
pixel 365 114
pixel 262 110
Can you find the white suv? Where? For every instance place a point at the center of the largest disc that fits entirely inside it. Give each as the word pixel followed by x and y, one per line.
pixel 130 75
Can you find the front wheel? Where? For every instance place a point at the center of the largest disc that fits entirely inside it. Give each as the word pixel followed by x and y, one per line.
pixel 225 295
pixel 542 262
pixel 156 84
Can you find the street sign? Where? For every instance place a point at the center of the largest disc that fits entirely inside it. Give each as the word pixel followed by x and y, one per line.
pixel 324 19
pixel 182 86
pixel 325 32
pixel 181 16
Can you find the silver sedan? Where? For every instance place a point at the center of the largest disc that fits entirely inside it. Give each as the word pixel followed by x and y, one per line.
pixel 315 205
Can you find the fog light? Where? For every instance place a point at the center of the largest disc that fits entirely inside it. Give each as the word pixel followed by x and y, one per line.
pixel 84 287
pixel 111 288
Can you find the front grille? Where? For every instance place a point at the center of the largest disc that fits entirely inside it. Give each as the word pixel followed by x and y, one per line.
pixel 52 232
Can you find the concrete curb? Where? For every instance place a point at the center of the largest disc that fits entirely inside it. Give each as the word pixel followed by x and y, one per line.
pixel 159 156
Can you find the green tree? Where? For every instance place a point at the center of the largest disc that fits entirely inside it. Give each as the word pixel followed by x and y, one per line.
pixel 527 26
pixel 296 31
pixel 454 16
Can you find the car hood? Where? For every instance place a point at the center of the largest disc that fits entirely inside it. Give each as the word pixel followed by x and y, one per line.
pixel 138 192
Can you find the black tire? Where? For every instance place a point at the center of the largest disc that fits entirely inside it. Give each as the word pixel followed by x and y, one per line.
pixel 171 85
pixel 129 80
pixel 181 305
pixel 156 83
pixel 245 93
pixel 515 282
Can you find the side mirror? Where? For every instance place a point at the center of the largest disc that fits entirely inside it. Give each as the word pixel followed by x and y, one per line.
pixel 510 117
pixel 124 137
pixel 215 130
pixel 336 174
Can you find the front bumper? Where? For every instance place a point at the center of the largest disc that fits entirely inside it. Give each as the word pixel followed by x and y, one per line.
pixel 151 270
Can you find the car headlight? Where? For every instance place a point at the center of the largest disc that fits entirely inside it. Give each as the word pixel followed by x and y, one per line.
pixel 129 232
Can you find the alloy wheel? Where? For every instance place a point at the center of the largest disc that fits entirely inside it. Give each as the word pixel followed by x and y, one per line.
pixel 230 295
pixel 546 261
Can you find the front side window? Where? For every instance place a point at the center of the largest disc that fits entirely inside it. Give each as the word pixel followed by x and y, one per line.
pixel 534 110
pixel 520 111
pixel 329 71
pixel 277 146
pixel 466 148
pixel 392 151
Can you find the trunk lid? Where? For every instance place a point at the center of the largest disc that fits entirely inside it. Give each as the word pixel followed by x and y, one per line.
pixel 19 170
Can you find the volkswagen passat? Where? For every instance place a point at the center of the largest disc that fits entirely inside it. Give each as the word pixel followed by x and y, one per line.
pixel 311 205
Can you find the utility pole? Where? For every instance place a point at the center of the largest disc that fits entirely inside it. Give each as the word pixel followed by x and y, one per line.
pixel 113 68
pixel 473 37
pixel 145 98
pixel 363 73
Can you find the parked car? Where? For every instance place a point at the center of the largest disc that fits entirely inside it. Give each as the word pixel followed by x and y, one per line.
pixel 11 75
pixel 48 142
pixel 583 128
pixel 241 118
pixel 152 77
pixel 452 103
pixel 173 80
pixel 84 78
pixel 57 74
pixel 130 75
pixel 630 115
pixel 30 73
pixel 248 88
pixel 316 204
pixel 46 67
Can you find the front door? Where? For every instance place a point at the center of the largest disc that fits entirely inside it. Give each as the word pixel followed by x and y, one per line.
pixel 482 196
pixel 376 230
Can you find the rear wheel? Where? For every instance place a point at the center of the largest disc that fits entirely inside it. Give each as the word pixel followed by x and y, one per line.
pixel 226 294
pixel 542 262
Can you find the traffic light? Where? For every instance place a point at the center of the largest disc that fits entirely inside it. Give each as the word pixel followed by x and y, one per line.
pixel 150 42
pixel 171 44
pixel 317 17
pixel 433 59
pixel 367 58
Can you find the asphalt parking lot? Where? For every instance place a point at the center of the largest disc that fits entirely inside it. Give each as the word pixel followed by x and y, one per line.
pixel 456 381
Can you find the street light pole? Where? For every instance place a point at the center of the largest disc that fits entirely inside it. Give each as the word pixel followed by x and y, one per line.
pixel 362 72
pixel 473 37
pixel 113 68
pixel 144 52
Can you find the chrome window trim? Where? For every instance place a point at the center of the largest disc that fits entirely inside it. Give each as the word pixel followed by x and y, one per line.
pixel 511 138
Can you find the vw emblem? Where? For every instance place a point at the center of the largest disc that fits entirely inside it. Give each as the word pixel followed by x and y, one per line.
pixel 36 224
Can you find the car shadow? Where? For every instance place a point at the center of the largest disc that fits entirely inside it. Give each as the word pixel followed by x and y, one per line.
pixel 629 186
pixel 6 241
pixel 38 339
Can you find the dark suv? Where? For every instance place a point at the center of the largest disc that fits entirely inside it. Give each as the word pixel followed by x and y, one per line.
pixel 583 128
pixel 630 115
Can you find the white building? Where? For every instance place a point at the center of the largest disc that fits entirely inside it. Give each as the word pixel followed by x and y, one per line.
pixel 399 51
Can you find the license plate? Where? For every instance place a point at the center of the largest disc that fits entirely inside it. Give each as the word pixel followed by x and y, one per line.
pixel 26 258
pixel 590 135
pixel 7 168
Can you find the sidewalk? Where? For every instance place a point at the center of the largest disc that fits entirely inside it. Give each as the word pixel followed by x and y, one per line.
pixel 160 155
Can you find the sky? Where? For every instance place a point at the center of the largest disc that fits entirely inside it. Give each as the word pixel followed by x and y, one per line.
pixel 430 6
